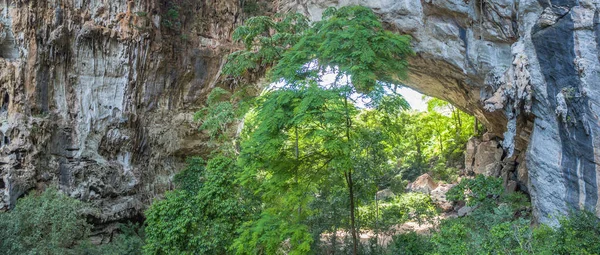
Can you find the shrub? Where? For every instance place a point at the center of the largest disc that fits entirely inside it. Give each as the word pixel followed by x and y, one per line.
pixel 398 184
pixel 453 236
pixel 499 226
pixel 171 224
pixel 578 234
pixel 50 223
pixel 444 173
pixel 201 221
pixel 189 179
pixel 129 242
pixel 406 207
pixel 410 244
pixel 477 190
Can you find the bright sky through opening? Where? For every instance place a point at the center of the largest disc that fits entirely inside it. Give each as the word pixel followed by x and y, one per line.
pixel 416 100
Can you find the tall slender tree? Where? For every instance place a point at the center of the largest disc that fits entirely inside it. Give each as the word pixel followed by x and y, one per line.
pixel 366 60
pixel 350 41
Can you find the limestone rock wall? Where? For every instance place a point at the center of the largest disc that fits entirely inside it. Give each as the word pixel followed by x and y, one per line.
pixel 528 69
pixel 97 96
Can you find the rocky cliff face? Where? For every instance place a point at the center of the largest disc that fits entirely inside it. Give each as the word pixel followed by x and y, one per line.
pixel 528 69
pixel 98 95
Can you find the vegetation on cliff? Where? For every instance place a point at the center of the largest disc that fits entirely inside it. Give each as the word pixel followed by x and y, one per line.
pixel 53 223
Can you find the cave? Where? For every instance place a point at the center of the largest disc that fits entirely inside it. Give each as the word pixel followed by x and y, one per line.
pixel 5 102
pixel 2 184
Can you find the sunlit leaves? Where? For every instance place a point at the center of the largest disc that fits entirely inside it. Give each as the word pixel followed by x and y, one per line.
pixel 264 39
pixel 222 111
pixel 203 216
pixel 352 40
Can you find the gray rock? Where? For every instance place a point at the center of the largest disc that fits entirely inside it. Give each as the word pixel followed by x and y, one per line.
pixel 94 99
pixel 483 157
pixel 438 196
pixel 385 194
pixel 465 210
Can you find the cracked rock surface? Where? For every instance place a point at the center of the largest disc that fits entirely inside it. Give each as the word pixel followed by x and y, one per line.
pixel 98 96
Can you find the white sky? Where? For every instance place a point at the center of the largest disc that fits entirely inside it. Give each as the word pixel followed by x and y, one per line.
pixel 414 98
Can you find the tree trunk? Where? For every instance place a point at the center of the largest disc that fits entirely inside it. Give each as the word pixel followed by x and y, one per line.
pixel 419 153
pixel 334 236
pixel 297 162
pixel 348 176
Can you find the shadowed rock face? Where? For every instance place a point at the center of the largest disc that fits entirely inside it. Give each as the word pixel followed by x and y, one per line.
pixel 529 70
pixel 97 96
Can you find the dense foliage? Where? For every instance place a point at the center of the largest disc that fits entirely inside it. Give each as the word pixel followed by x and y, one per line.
pixel 312 153
pixel 419 142
pixel 302 136
pixel 201 217
pixel 501 224
pixel 52 223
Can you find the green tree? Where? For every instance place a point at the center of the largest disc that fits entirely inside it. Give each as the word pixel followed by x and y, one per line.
pixel 422 142
pixel 49 223
pixel 366 59
pixel 265 40
pixel 202 216
pixel 290 145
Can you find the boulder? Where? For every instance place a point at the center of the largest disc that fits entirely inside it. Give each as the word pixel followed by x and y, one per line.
pixel 465 210
pixel 423 184
pixel 385 194
pixel 483 157
pixel 438 196
pixel 511 186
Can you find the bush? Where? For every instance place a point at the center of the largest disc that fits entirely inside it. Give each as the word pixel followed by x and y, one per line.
pixel 496 226
pixel 453 236
pixel 406 207
pixel 171 224
pixel 129 242
pixel 53 223
pixel 50 223
pixel 444 173
pixel 203 221
pixel 410 244
pixel 577 234
pixel 398 184
pixel 410 207
pixel 477 190
pixel 500 224
pixel 189 179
